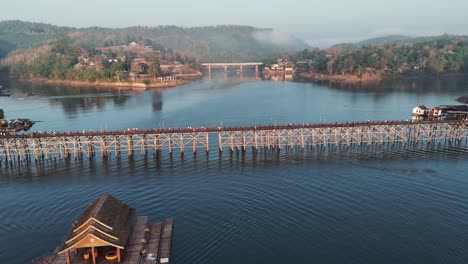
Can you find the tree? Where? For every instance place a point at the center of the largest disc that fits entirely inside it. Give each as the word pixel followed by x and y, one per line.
pixel 1 114
pixel 154 66
pixel 117 69
pixel 330 67
pixel 62 45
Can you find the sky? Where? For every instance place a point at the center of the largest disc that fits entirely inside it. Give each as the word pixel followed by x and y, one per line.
pixel 319 23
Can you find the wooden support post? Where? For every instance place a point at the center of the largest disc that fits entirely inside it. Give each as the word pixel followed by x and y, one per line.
pixel 102 143
pixel 117 145
pixel 130 145
pixel 231 141
pixel 194 143
pixel 255 140
pixel 118 255
pixel 182 146
pixel 157 144
pixel 278 139
pixel 68 257
pixel 220 142
pixel 170 143
pixel 93 255
pixel 244 147
pixel 90 147
pixel 302 139
pixel 143 145
pixel 207 142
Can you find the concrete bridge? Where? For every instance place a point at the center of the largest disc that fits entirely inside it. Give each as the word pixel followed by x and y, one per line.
pixel 15 149
pixel 225 65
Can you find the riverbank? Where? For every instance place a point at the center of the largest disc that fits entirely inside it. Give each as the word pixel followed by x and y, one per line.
pixel 373 77
pixel 346 78
pixel 130 85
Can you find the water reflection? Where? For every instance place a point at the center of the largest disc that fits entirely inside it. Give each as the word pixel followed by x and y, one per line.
pixel 237 100
pixel 418 86
pixel 157 101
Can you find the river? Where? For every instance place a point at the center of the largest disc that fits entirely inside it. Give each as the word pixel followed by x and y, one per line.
pixel 293 206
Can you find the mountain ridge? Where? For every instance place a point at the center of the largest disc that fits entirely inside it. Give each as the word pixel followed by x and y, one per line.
pixel 209 43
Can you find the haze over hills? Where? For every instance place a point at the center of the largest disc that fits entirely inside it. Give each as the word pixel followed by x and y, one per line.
pixel 213 43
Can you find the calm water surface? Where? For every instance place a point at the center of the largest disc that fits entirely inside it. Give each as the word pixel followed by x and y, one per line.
pixel 341 206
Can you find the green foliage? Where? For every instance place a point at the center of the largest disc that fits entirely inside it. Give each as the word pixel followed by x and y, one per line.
pixel 62 45
pixel 437 55
pixel 154 66
pixel 2 114
pixel 16 34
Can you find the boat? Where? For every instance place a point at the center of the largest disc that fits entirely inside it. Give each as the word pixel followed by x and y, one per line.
pixel 4 91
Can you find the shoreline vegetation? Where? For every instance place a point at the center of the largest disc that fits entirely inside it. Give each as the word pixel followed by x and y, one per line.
pixel 115 84
pixel 419 58
pixel 141 85
pixel 373 78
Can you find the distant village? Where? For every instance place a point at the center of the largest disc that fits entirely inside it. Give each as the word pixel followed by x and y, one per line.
pixel 449 112
pixel 136 63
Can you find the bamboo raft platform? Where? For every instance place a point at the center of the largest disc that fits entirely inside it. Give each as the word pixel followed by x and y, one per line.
pixel 134 248
pixel 153 244
pixel 19 148
pixel 166 240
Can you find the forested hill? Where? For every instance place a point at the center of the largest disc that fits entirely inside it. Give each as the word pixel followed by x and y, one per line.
pixel 416 57
pixel 214 43
pixel 15 34
pixel 392 39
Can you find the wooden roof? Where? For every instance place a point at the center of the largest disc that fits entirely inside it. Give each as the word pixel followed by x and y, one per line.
pixel 106 222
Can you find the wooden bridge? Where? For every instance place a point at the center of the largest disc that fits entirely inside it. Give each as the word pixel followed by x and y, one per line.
pixel 46 146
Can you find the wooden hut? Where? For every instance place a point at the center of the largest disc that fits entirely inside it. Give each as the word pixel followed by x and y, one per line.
pixel 106 223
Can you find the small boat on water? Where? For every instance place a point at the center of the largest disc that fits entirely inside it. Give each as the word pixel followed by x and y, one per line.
pixel 4 91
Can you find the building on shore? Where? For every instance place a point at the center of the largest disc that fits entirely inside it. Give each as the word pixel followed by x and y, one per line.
pixel 441 112
pixel 420 110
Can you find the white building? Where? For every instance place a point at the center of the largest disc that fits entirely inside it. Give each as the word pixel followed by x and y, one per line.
pixel 420 110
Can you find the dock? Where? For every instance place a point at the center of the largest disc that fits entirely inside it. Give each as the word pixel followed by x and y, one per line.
pixel 135 246
pixel 150 242
pixel 153 244
pixel 166 240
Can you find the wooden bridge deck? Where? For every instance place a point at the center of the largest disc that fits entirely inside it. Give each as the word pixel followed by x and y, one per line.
pixel 46 146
